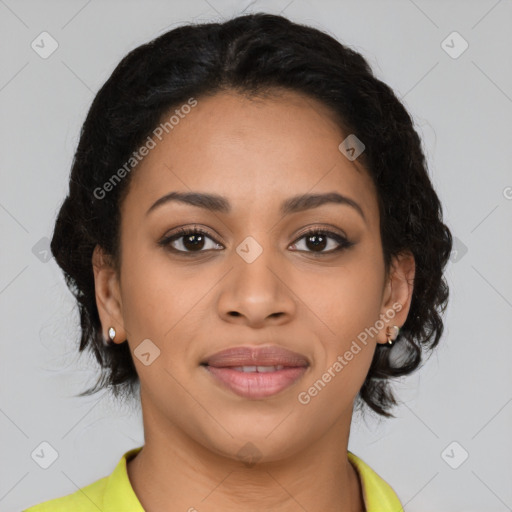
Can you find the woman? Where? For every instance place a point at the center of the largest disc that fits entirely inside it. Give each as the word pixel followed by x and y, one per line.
pixel 252 236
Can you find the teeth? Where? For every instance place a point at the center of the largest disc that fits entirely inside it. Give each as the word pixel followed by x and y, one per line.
pixel 262 369
pixel 258 369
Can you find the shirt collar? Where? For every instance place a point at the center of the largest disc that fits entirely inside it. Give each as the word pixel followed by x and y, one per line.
pixel 378 495
pixel 119 495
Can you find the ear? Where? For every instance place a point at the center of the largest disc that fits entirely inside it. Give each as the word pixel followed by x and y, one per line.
pixel 108 295
pixel 397 294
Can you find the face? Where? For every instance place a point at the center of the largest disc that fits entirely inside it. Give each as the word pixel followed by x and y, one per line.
pixel 263 273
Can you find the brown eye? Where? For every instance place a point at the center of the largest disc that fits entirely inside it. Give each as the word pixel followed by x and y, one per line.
pixel 317 240
pixel 189 240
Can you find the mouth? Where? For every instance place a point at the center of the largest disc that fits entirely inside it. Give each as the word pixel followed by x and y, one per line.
pixel 256 373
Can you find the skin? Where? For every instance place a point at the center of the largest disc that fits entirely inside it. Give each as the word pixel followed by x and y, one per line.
pixel 256 153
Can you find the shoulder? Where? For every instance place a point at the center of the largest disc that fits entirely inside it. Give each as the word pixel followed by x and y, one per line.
pixel 112 493
pixel 378 495
pixel 86 499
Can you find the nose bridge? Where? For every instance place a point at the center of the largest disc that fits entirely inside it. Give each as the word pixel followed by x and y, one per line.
pixel 254 262
pixel 255 288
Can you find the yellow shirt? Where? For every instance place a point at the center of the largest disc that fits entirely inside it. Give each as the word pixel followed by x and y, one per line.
pixel 114 493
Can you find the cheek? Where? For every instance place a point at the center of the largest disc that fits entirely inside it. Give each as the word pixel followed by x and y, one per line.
pixel 153 300
pixel 345 299
pixel 345 347
pixel 164 302
pixel 346 303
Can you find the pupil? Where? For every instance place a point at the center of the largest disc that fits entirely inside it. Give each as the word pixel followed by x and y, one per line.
pixel 196 244
pixel 319 244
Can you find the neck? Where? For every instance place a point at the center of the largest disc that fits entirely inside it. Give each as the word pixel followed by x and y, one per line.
pixel 174 472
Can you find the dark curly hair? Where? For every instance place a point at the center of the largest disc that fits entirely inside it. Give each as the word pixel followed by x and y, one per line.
pixel 254 54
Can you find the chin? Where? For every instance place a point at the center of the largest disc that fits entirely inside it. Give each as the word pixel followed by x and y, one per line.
pixel 256 440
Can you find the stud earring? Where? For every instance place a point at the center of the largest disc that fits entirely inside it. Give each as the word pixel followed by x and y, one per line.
pixel 111 336
pixel 391 337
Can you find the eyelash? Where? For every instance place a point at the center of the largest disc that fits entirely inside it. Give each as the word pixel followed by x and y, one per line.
pixel 341 240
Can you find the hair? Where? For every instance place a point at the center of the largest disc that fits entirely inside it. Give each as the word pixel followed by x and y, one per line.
pixel 253 55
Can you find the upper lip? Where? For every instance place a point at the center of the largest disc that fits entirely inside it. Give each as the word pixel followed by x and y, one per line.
pixel 270 355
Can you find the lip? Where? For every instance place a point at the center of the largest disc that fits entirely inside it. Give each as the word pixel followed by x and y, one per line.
pixel 270 355
pixel 256 385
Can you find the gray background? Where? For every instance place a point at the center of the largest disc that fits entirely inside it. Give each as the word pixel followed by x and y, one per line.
pixel 462 109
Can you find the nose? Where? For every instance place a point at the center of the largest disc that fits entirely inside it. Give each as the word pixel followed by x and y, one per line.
pixel 257 293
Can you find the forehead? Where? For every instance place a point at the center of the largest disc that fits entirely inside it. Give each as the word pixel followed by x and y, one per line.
pixel 262 149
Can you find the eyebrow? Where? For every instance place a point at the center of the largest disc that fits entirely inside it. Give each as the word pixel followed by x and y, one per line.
pixel 216 203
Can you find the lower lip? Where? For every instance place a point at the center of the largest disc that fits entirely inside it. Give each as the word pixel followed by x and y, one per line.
pixel 257 385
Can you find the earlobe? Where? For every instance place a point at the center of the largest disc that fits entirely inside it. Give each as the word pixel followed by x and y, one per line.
pixel 108 296
pixel 398 295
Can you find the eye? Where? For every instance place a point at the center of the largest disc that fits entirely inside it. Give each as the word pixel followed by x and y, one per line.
pixel 195 240
pixel 317 240
pixel 189 240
